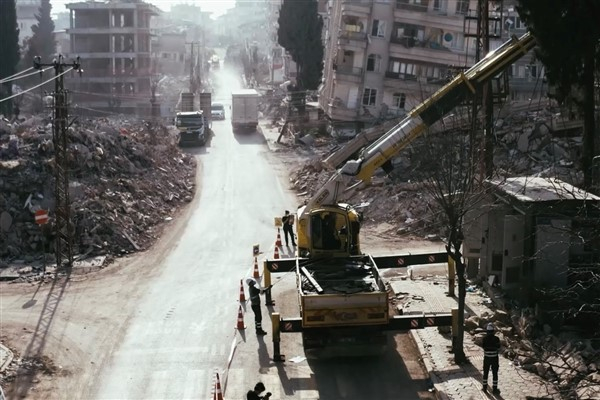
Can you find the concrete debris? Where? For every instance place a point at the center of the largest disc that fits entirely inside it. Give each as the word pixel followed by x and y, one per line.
pixel 568 361
pixel 126 180
pixel 526 145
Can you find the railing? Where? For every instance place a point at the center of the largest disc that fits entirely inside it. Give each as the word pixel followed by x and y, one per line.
pixel 401 76
pixel 348 70
pixel 404 5
pixel 351 35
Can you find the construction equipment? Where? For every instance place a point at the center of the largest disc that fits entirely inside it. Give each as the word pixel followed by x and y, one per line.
pixel 343 298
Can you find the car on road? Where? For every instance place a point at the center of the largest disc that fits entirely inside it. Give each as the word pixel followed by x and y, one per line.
pixel 217 111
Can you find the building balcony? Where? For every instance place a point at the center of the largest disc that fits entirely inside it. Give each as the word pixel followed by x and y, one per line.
pixel 433 55
pixel 339 112
pixel 396 80
pixel 353 40
pixel 450 23
pixel 357 8
pixel 348 73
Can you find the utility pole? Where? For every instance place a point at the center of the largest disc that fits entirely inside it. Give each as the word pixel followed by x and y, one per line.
pixel 484 96
pixel 63 226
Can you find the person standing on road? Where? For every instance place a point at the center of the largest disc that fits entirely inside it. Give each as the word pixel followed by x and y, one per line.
pixel 288 227
pixel 491 347
pixel 255 291
pixel 255 394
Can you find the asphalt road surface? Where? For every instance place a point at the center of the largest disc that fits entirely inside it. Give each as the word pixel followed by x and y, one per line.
pixel 160 325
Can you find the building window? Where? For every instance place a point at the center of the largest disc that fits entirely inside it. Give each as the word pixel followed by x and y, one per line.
pixel 440 5
pixel 408 69
pixel 378 28
pixel 369 97
pixel 399 100
pixel 373 62
pixel 533 70
pixel 462 7
pixel 416 5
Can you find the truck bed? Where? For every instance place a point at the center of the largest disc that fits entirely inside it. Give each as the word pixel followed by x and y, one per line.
pixel 341 292
pixel 342 276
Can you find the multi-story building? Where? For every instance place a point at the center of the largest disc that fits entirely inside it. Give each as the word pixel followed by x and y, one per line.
pixel 385 57
pixel 113 39
pixel 26 11
pixel 526 76
pixel 382 58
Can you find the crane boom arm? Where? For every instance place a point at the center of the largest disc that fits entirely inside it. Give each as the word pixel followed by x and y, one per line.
pixel 418 120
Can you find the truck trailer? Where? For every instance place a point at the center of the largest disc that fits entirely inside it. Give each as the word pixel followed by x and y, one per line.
pixel 244 110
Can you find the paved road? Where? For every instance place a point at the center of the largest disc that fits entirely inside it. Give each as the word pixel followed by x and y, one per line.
pixel 160 327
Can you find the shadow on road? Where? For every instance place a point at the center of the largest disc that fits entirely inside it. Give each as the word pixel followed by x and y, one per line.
pixel 254 136
pixel 35 350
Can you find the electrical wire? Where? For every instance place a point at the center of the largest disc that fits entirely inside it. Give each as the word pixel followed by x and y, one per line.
pixel 18 73
pixel 36 86
pixel 24 76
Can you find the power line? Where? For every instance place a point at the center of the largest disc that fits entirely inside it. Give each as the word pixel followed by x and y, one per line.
pixel 18 73
pixel 23 76
pixel 35 87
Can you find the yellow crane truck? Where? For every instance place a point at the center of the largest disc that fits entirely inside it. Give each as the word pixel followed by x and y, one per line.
pixel 342 296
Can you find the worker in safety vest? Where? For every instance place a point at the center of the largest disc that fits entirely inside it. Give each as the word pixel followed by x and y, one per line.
pixel 491 347
pixel 255 291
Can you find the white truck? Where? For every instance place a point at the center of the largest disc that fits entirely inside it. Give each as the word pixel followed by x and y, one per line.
pixel 244 109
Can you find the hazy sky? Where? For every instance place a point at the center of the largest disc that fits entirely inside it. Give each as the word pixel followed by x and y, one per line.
pixel 217 7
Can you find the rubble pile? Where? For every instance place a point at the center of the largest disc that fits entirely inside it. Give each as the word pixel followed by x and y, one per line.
pixel 568 361
pixel 126 179
pixel 526 145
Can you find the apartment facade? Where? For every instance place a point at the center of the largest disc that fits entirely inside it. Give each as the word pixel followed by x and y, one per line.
pixel 113 39
pixel 383 57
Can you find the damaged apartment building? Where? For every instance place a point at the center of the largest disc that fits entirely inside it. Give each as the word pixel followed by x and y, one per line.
pixel 113 39
pixel 384 58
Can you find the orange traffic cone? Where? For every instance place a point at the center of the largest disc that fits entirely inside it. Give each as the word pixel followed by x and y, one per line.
pixel 240 320
pixel 218 393
pixel 278 241
pixel 255 273
pixel 242 296
pixel 276 254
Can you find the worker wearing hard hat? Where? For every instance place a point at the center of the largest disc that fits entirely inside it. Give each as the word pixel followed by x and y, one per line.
pixel 255 291
pixel 491 347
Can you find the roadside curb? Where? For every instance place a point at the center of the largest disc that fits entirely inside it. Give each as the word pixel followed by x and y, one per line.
pixel 6 357
pixel 426 358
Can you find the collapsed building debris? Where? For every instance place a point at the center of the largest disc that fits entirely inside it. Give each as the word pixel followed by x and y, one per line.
pixel 126 180
pixel 525 145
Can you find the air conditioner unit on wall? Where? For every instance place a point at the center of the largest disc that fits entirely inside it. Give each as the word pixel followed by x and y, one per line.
pixel 447 39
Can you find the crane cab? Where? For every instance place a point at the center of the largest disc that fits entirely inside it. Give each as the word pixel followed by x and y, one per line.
pixel 329 231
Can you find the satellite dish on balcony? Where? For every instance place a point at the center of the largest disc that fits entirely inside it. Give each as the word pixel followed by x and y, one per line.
pixel 448 37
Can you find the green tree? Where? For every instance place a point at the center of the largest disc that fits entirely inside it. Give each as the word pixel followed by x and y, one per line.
pixel 9 48
pixel 299 32
pixel 42 41
pixel 568 36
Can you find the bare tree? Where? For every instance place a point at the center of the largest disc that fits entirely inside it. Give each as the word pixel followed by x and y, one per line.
pixel 444 163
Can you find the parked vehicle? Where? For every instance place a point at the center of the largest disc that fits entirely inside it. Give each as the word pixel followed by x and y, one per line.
pixel 191 128
pixel 217 111
pixel 244 109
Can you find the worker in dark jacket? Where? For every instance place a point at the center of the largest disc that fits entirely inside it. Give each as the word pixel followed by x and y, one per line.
pixel 255 291
pixel 288 227
pixel 491 347
pixel 255 394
